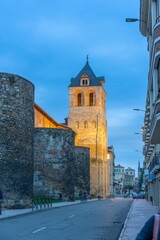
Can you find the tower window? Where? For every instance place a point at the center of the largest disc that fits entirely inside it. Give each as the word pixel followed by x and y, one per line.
pixel 85 124
pixel 93 124
pixel 77 124
pixel 91 99
pixel 79 99
pixel 85 82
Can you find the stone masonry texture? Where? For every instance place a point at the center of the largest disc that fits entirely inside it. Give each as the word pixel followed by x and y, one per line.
pixel 82 169
pixel 53 162
pixel 60 168
pixel 16 139
pixel 35 161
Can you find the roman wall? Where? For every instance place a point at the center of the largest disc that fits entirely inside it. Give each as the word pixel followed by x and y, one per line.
pixel 82 169
pixel 16 139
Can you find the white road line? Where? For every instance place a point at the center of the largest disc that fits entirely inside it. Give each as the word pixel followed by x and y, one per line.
pixel 71 216
pixel 38 230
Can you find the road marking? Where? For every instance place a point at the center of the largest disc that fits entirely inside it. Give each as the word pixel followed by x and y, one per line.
pixel 38 230
pixel 71 216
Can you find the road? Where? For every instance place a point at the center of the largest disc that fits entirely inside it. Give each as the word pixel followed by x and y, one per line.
pixel 99 220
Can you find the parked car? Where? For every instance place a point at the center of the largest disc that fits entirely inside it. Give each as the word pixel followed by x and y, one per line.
pixel 138 196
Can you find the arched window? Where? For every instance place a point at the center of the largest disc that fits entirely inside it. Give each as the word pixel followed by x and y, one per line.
pixel 91 99
pixel 79 99
pixel 93 124
pixel 77 124
pixel 85 124
pixel 85 82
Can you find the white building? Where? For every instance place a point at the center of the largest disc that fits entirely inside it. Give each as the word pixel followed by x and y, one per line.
pixel 111 157
pixel 119 178
pixel 129 177
pixel 150 28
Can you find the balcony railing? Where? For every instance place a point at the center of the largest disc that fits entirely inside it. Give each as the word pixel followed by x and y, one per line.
pixel 155 124
pixel 155 164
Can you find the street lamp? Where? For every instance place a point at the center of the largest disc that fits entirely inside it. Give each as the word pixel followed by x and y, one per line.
pixel 138 133
pixel 137 109
pixel 138 151
pixel 134 20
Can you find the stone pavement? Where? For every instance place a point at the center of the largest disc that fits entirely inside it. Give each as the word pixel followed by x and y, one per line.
pixel 139 213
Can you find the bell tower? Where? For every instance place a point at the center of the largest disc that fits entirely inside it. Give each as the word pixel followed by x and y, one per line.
pixel 87 117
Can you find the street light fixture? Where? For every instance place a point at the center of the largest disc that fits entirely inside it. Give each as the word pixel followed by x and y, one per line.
pixel 138 151
pixel 137 109
pixel 138 133
pixel 134 20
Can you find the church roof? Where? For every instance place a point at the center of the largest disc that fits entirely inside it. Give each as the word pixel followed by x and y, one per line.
pixel 94 81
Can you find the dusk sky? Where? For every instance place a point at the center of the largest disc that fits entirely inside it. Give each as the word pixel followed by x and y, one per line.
pixel 47 43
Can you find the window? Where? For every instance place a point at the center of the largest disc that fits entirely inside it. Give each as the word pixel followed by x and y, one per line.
pixel 79 99
pixel 93 124
pixel 158 78
pixel 91 99
pixel 77 124
pixel 85 124
pixel 84 81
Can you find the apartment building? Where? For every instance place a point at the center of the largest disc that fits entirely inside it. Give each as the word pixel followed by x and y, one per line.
pixel 119 178
pixel 150 28
pixel 129 177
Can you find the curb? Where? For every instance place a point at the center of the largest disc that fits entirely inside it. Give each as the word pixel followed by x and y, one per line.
pixel 46 209
pixel 125 223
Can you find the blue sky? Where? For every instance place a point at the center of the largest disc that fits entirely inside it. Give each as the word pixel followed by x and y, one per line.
pixel 47 43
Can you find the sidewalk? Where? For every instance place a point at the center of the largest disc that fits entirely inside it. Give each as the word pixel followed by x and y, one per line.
pixel 15 212
pixel 139 213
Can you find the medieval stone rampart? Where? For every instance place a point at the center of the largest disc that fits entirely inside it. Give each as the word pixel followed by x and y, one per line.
pixel 82 169
pixel 16 139
pixel 35 161
pixel 53 162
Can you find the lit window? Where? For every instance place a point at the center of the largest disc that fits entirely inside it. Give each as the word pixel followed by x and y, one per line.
pixel 77 124
pixel 85 124
pixel 93 124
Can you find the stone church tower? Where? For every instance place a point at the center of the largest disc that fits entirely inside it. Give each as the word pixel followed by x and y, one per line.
pixel 87 117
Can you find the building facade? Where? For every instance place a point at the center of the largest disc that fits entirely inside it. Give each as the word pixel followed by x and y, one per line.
pixel 111 157
pixel 87 117
pixel 119 178
pixel 129 178
pixel 150 28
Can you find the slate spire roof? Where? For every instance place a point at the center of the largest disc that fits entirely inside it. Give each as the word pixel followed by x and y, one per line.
pixel 94 81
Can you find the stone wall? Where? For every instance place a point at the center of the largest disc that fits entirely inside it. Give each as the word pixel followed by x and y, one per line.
pixel 82 169
pixel 16 139
pixel 53 162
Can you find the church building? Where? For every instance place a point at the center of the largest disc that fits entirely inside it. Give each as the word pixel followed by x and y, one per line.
pixel 87 117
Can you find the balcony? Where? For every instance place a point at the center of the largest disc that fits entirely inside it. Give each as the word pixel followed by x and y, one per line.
pixel 156 47
pixel 154 166
pixel 155 124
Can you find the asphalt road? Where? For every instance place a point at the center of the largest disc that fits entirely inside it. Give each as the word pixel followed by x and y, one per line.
pixel 99 220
